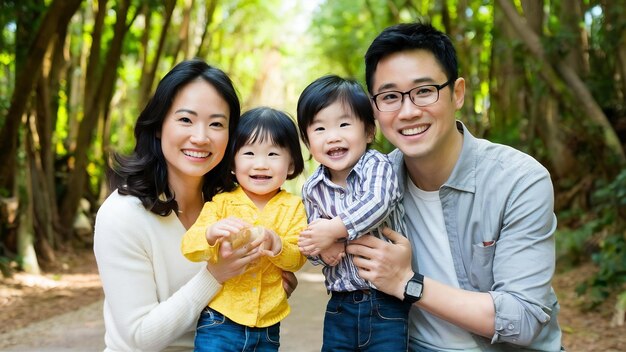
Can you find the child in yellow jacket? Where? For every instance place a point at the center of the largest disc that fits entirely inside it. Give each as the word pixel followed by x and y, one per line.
pixel 246 314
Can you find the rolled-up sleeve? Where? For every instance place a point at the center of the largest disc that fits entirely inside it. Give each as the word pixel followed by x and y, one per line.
pixel 524 261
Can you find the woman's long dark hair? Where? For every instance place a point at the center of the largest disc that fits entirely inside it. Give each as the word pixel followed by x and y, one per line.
pixel 143 174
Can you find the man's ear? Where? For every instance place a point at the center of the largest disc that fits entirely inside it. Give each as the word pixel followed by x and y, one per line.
pixel 459 92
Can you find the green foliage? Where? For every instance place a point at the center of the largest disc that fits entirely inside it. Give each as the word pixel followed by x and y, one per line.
pixel 318 37
pixel 609 209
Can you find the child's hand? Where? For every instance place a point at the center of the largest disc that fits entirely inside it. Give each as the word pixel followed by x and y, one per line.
pixel 333 255
pixel 224 228
pixel 320 235
pixel 270 243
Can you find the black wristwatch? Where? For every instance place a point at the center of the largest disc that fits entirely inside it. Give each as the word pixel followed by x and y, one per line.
pixel 414 288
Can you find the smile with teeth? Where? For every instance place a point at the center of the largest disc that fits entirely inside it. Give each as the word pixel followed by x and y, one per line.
pixel 336 151
pixel 260 177
pixel 415 130
pixel 196 154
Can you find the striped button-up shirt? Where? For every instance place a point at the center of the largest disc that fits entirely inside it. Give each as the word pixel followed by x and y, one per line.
pixel 370 201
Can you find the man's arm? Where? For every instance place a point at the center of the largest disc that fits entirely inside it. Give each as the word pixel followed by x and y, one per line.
pixel 388 266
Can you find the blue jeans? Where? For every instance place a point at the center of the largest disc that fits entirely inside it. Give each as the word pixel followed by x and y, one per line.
pixel 365 320
pixel 215 332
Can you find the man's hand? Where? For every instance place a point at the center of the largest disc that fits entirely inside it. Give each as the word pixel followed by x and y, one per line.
pixel 320 235
pixel 290 282
pixel 387 265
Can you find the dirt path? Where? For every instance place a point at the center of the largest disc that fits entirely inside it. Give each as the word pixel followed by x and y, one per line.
pixel 61 311
pixel 79 330
pixel 82 329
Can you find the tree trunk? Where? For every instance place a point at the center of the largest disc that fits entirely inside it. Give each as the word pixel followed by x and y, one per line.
pixel 25 231
pixel 569 81
pixel 41 199
pixel 182 44
pixel 147 78
pixel 41 140
pixel 97 97
pixel 506 76
pixel 58 15
pixel 544 109
pixel 205 38
pixel 576 47
pixel 613 16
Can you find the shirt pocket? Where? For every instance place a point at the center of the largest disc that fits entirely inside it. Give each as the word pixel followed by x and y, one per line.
pixel 481 269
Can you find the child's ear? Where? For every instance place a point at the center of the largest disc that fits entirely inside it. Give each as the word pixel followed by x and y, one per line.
pixel 291 169
pixel 370 134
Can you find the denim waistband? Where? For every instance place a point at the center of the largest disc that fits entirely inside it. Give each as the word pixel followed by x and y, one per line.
pixel 362 295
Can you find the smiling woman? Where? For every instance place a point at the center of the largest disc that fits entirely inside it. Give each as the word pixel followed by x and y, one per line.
pixel 182 135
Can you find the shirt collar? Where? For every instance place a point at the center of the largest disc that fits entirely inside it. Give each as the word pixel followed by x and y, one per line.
pixel 322 173
pixel 463 176
pixel 240 197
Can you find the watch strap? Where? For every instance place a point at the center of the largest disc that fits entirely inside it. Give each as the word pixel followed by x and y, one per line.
pixel 409 297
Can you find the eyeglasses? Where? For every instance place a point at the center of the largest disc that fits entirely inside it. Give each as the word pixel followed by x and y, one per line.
pixel 420 96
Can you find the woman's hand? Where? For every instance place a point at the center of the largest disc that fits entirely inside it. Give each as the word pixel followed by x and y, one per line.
pixel 387 265
pixel 232 262
pixel 290 282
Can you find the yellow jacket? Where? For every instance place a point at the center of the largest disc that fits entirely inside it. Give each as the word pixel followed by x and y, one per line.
pixel 255 298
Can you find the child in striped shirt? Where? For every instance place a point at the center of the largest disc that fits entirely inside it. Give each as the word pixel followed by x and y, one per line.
pixel 354 192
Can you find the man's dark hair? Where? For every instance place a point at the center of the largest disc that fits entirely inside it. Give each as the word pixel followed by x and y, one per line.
pixel 411 36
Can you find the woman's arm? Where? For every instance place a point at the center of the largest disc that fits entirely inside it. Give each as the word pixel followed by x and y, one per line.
pixel 153 294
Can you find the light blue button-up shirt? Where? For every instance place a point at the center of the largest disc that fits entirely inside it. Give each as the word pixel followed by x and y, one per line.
pixel 496 193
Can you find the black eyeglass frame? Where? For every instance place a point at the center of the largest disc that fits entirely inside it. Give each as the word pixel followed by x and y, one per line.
pixel 402 94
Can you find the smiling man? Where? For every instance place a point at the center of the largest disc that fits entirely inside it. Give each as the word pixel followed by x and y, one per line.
pixel 479 258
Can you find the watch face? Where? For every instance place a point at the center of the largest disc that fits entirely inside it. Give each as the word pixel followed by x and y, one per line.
pixel 414 288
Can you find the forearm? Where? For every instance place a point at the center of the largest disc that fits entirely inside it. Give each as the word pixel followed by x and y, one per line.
pixel 194 245
pixel 144 320
pixel 364 216
pixel 289 258
pixel 472 311
pixel 380 194
pixel 170 319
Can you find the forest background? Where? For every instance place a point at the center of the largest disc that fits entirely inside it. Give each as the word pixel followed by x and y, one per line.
pixel 547 77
